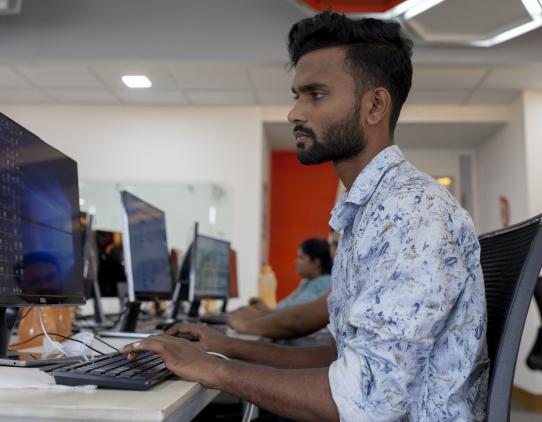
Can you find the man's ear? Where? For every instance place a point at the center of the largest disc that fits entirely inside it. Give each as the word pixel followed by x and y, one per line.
pixel 377 102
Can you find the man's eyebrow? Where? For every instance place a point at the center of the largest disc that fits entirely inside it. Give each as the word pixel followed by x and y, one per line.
pixel 309 87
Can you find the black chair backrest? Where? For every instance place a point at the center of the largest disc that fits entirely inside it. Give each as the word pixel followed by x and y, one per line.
pixel 511 259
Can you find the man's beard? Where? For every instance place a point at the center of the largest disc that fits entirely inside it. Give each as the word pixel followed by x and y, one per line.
pixel 341 141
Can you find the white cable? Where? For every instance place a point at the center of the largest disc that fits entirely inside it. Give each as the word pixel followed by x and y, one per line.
pixel 219 355
pixel 249 409
pixel 54 343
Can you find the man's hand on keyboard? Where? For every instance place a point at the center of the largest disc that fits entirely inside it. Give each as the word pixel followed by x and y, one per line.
pixel 207 339
pixel 180 356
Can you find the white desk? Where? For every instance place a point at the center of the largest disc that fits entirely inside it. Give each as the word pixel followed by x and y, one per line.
pixel 171 400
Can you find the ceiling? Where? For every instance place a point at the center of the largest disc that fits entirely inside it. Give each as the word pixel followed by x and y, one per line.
pixel 220 83
pixel 208 52
pixel 407 135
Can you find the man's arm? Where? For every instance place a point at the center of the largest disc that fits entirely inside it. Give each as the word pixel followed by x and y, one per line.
pixel 258 352
pixel 301 394
pixel 290 322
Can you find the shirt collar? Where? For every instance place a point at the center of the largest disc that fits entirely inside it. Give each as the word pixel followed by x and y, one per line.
pixel 364 186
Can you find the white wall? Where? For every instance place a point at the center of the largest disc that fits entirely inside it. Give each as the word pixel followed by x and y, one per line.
pixel 443 162
pixel 501 172
pixel 222 145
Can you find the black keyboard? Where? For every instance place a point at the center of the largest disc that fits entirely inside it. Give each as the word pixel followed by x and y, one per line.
pixel 115 371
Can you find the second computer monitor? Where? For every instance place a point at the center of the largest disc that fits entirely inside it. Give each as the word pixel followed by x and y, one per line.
pixel 210 268
pixel 145 250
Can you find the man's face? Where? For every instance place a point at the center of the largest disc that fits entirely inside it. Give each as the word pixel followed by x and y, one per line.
pixel 327 110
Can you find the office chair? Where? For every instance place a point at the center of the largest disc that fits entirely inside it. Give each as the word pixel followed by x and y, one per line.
pixel 511 259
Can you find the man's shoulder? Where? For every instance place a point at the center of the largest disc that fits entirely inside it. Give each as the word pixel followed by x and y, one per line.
pixel 409 197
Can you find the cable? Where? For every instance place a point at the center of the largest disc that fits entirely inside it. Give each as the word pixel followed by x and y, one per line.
pixel 23 316
pixel 107 344
pixel 28 340
pixel 61 336
pixel 219 355
pixel 55 345
pixel 249 408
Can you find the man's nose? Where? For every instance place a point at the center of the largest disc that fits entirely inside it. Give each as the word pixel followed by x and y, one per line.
pixel 297 115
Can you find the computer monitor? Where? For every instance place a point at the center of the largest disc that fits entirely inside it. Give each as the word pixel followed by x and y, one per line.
pixel 40 235
pixel 210 268
pixel 208 271
pixel 148 268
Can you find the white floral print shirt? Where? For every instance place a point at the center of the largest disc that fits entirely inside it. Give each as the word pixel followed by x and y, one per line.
pixel 407 306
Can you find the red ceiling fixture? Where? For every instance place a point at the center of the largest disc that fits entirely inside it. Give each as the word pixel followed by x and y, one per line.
pixel 353 6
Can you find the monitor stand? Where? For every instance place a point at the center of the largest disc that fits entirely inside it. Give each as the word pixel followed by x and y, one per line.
pixel 8 317
pixel 194 309
pixel 224 306
pixel 130 313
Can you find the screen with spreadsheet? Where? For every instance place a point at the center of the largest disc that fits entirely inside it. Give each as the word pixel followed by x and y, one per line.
pixel 146 255
pixel 210 267
pixel 40 238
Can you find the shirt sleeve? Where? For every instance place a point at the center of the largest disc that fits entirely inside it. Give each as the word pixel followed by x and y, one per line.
pixel 407 281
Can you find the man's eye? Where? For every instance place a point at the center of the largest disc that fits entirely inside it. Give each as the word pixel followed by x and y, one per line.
pixel 295 97
pixel 317 95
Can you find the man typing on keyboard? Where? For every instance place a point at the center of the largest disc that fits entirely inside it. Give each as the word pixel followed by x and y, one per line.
pixel 407 306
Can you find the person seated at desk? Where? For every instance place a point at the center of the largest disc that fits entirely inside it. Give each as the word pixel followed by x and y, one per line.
pixel 407 308
pixel 293 321
pixel 313 265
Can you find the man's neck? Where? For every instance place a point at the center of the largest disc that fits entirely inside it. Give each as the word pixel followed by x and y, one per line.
pixel 348 170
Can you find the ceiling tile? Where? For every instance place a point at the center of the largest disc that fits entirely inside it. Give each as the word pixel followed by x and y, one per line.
pixel 437 97
pixel 447 78
pixel 23 95
pixel 469 20
pixel 151 96
pixel 211 76
pixel 509 78
pixel 60 76
pixel 83 96
pixel 266 78
pixel 221 97
pixel 111 75
pixel 10 79
pixel 493 97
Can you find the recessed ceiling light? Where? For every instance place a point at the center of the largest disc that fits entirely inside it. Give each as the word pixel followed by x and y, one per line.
pixel 136 81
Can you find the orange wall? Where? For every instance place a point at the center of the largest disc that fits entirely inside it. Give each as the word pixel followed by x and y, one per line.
pixel 301 199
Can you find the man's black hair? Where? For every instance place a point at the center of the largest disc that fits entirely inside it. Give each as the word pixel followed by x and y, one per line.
pixel 377 52
pixel 316 248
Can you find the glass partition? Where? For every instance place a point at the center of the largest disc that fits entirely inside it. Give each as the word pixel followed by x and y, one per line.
pixel 183 203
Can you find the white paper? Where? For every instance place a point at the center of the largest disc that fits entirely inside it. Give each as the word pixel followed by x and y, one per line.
pixel 13 378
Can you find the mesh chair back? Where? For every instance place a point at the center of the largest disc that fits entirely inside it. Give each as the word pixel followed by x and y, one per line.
pixel 511 259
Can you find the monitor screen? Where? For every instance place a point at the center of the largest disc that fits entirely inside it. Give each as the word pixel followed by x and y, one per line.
pixel 110 262
pixel 146 254
pixel 210 267
pixel 40 236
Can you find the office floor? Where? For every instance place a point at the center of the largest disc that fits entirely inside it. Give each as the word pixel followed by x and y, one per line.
pixel 521 414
